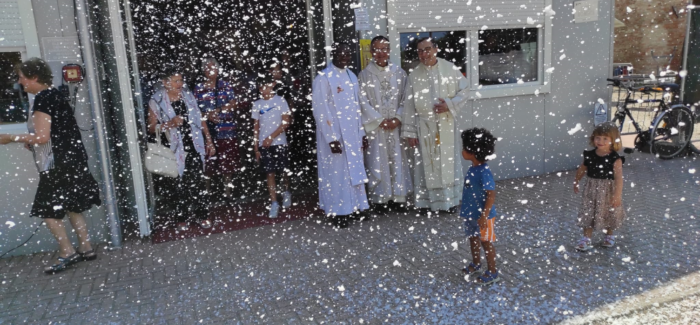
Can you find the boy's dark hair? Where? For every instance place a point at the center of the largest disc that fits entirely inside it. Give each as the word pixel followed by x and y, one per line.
pixel 265 79
pixel 478 142
pixel 36 68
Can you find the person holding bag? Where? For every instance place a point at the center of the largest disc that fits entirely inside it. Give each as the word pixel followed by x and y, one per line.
pixel 173 109
pixel 65 183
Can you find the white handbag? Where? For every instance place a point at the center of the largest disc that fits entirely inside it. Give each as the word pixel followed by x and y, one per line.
pixel 160 160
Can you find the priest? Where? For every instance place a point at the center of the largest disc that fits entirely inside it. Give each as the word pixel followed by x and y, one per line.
pixel 436 92
pixel 382 85
pixel 339 139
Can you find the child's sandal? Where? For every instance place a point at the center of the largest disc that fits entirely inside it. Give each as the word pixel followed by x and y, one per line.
pixel 476 269
pixel 489 278
pixel 584 244
pixel 609 241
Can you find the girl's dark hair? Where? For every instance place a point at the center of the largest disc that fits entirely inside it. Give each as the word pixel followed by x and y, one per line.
pixel 478 142
pixel 36 68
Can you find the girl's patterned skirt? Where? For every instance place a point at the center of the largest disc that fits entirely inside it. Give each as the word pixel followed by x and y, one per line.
pixel 596 210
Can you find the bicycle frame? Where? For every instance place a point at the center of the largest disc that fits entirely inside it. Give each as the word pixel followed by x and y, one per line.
pixel 623 112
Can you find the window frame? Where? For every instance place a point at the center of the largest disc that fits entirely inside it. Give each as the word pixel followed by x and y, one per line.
pixel 19 127
pixel 544 60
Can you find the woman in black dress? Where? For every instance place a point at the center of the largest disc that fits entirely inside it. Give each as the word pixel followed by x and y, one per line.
pixel 65 183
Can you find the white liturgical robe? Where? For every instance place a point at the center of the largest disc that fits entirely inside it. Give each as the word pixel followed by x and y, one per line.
pixel 336 107
pixel 437 182
pixel 381 97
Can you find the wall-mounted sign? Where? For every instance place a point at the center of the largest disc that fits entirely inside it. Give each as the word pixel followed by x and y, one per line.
pixel 585 11
pixel 365 54
pixel 362 19
pixel 61 49
pixel 601 114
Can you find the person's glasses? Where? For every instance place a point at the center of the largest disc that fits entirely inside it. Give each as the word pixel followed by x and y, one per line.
pixel 424 50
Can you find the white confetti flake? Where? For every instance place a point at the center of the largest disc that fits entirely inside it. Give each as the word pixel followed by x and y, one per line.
pixel 683 73
pixel 691 171
pixel 455 245
pixel 550 70
pixel 626 259
pixel 629 9
pixel 396 263
pixel 341 288
pixel 575 129
pixel 9 224
pixel 561 249
pixel 562 57
pixel 433 231
pixel 530 21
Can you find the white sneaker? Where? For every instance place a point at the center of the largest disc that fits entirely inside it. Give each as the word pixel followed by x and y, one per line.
pixel 274 209
pixel 286 199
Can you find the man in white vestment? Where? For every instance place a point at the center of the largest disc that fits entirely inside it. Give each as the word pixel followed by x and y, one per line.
pixel 382 87
pixel 339 139
pixel 435 94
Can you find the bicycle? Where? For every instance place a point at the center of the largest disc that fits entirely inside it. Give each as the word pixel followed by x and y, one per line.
pixel 671 128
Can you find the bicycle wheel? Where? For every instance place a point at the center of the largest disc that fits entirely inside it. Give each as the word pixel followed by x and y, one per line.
pixel 671 132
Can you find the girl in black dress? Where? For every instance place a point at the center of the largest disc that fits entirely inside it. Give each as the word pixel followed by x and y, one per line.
pixel 65 183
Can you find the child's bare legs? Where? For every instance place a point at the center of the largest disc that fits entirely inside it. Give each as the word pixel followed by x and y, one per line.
pixel 271 187
pixel 475 245
pixel 490 252
pixel 227 188
pixel 609 231
pixel 285 182
pixel 588 232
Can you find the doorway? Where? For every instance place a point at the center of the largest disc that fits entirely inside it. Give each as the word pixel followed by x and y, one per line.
pixel 247 38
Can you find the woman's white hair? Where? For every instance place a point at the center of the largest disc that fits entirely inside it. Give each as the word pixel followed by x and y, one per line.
pixel 206 61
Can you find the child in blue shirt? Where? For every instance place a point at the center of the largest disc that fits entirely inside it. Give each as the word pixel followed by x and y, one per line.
pixel 478 199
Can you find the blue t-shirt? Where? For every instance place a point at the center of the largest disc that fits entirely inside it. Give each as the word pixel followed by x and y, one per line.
pixel 479 179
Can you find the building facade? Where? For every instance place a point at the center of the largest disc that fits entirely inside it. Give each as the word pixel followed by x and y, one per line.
pixel 536 68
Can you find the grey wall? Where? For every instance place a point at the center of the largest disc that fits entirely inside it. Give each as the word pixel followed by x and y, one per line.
pixel 534 129
pixel 18 175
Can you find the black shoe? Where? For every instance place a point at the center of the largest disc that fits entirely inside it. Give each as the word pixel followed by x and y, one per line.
pixel 63 263
pixel 341 222
pixel 89 255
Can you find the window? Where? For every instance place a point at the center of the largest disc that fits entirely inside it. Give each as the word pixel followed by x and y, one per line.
pixel 508 56
pixel 503 51
pixel 452 47
pixel 13 100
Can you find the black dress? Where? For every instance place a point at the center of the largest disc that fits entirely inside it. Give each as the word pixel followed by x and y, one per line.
pixel 191 199
pixel 67 185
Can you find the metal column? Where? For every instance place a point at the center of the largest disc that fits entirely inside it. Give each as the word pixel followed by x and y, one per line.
pixel 88 53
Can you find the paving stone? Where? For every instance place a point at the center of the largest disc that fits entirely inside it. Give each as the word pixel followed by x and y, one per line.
pixel 313 274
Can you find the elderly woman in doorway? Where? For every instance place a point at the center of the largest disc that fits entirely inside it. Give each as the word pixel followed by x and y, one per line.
pixel 218 103
pixel 65 183
pixel 173 109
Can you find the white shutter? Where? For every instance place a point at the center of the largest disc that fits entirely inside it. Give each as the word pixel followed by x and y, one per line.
pixel 10 24
pixel 444 14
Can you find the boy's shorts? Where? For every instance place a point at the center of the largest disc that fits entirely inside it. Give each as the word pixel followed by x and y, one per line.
pixel 471 229
pixel 274 158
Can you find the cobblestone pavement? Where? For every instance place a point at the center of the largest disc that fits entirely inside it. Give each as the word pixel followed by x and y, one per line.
pixel 685 311
pixel 395 269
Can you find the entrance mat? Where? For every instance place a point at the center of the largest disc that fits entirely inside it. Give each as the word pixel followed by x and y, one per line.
pixel 237 217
